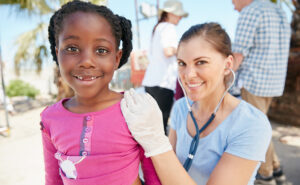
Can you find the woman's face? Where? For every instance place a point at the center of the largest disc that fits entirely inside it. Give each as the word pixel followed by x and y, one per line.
pixel 201 68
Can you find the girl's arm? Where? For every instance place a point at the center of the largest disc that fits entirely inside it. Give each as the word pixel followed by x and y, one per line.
pixel 52 176
pixel 232 170
pixel 149 173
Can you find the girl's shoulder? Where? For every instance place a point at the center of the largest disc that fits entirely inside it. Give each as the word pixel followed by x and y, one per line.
pixel 56 107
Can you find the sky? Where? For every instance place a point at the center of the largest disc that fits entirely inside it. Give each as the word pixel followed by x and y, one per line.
pixel 13 24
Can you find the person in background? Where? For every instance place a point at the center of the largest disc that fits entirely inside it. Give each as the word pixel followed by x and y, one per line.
pixel 261 49
pixel 178 91
pixel 85 138
pixel 219 139
pixel 161 74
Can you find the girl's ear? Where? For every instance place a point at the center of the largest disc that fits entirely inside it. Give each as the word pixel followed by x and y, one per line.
pixel 56 51
pixel 228 64
pixel 118 58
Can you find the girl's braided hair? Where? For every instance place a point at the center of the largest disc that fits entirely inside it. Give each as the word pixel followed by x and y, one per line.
pixel 121 27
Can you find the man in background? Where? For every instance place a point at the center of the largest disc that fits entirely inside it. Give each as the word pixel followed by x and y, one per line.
pixel 261 49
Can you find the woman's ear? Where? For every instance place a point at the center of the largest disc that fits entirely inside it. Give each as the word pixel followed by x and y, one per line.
pixel 228 64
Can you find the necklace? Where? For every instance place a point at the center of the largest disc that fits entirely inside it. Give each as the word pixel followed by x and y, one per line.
pixel 68 166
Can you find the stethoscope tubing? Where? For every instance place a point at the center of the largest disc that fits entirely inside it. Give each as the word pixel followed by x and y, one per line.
pixel 195 141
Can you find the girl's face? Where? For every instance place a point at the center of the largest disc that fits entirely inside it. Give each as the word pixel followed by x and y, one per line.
pixel 87 55
pixel 201 69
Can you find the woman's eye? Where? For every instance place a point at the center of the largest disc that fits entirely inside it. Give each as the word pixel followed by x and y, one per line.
pixel 201 62
pixel 102 51
pixel 181 64
pixel 72 49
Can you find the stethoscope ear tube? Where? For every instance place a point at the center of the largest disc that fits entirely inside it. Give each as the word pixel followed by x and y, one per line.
pixel 194 144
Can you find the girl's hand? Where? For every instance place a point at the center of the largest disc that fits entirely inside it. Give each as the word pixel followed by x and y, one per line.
pixel 144 120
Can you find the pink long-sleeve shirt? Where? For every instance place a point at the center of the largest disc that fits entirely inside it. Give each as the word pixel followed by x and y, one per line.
pixel 93 148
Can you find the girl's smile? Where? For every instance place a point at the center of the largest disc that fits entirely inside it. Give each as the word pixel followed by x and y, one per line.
pixel 87 75
pixel 86 80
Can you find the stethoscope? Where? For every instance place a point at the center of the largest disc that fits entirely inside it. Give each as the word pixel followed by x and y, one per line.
pixel 194 144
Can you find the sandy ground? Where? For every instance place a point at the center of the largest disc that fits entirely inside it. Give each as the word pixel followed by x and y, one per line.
pixel 21 159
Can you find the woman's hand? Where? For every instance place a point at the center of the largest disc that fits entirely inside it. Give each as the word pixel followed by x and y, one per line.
pixel 144 120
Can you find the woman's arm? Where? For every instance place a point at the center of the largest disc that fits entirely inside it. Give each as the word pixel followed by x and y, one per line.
pixel 170 171
pixel 144 120
pixel 232 170
pixel 173 138
pixel 168 167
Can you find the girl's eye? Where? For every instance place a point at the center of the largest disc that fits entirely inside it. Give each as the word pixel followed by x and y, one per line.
pixel 72 49
pixel 102 51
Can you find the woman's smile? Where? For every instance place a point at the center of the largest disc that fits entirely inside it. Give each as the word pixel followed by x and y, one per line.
pixel 194 85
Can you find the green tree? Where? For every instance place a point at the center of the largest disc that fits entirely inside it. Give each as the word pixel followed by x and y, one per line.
pixel 31 45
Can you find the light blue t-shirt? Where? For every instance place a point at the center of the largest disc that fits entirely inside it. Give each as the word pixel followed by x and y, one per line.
pixel 245 133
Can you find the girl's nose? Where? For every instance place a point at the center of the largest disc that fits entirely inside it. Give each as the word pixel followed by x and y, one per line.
pixel 87 59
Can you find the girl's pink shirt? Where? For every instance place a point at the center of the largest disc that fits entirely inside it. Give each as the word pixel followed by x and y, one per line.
pixel 112 155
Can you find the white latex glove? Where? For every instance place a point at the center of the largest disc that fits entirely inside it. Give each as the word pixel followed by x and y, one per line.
pixel 145 122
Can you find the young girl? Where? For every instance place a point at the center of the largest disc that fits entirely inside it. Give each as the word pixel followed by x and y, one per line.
pixel 219 139
pixel 85 138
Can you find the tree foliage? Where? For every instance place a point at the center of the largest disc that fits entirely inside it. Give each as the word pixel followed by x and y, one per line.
pixel 32 45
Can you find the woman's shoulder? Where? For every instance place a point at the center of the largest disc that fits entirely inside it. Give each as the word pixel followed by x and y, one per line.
pixel 250 133
pixel 252 111
pixel 248 116
pixel 181 104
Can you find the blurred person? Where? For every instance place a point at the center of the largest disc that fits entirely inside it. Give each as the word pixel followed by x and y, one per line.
pixel 85 138
pixel 178 91
pixel 219 139
pixel 161 74
pixel 261 49
pixel 9 106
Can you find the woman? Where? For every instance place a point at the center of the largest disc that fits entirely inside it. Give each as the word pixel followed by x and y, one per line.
pixel 161 74
pixel 235 135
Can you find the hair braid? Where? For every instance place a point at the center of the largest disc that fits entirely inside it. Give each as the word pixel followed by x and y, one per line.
pixel 126 39
pixel 51 37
